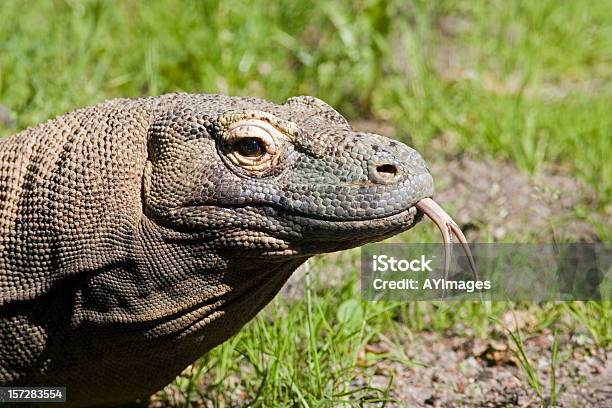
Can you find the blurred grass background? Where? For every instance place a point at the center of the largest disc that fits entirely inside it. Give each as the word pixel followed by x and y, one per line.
pixel 528 81
pixel 525 81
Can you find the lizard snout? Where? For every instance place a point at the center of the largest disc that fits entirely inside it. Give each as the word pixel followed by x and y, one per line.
pixel 397 166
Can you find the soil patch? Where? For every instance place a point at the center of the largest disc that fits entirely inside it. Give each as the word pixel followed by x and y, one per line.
pixel 453 371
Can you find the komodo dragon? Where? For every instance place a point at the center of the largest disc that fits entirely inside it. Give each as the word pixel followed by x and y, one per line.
pixel 136 235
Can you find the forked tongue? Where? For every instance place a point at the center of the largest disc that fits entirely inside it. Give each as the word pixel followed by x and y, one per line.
pixel 448 228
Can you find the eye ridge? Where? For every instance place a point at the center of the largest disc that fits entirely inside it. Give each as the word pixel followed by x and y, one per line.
pixel 249 147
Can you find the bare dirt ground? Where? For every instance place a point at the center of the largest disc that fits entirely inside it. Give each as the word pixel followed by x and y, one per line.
pixel 458 371
pixel 495 201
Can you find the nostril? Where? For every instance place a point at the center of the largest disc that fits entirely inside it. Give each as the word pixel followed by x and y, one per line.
pixel 386 173
pixel 387 169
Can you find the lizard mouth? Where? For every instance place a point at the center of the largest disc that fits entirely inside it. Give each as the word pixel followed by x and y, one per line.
pixel 323 235
pixel 194 208
pixel 389 225
pixel 396 216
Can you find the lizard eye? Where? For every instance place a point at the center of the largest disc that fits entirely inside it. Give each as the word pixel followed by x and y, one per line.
pixel 249 147
pixel 252 144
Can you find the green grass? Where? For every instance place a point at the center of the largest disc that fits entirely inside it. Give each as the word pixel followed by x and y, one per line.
pixel 524 360
pixel 541 69
pixel 312 351
pixel 525 81
pixel 553 367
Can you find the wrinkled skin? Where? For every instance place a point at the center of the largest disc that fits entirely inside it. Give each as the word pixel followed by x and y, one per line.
pixel 136 235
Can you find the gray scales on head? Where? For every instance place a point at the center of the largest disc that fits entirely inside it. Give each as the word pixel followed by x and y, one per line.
pixel 135 235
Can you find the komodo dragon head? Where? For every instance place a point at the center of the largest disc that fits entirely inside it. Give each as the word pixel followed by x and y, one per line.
pixel 213 202
pixel 274 183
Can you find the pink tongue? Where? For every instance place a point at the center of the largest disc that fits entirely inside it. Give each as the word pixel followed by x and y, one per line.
pixel 448 228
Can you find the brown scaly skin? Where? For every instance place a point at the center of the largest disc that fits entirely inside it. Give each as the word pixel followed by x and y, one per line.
pixel 136 235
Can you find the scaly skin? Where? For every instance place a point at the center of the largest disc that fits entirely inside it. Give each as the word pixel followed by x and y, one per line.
pixel 136 235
